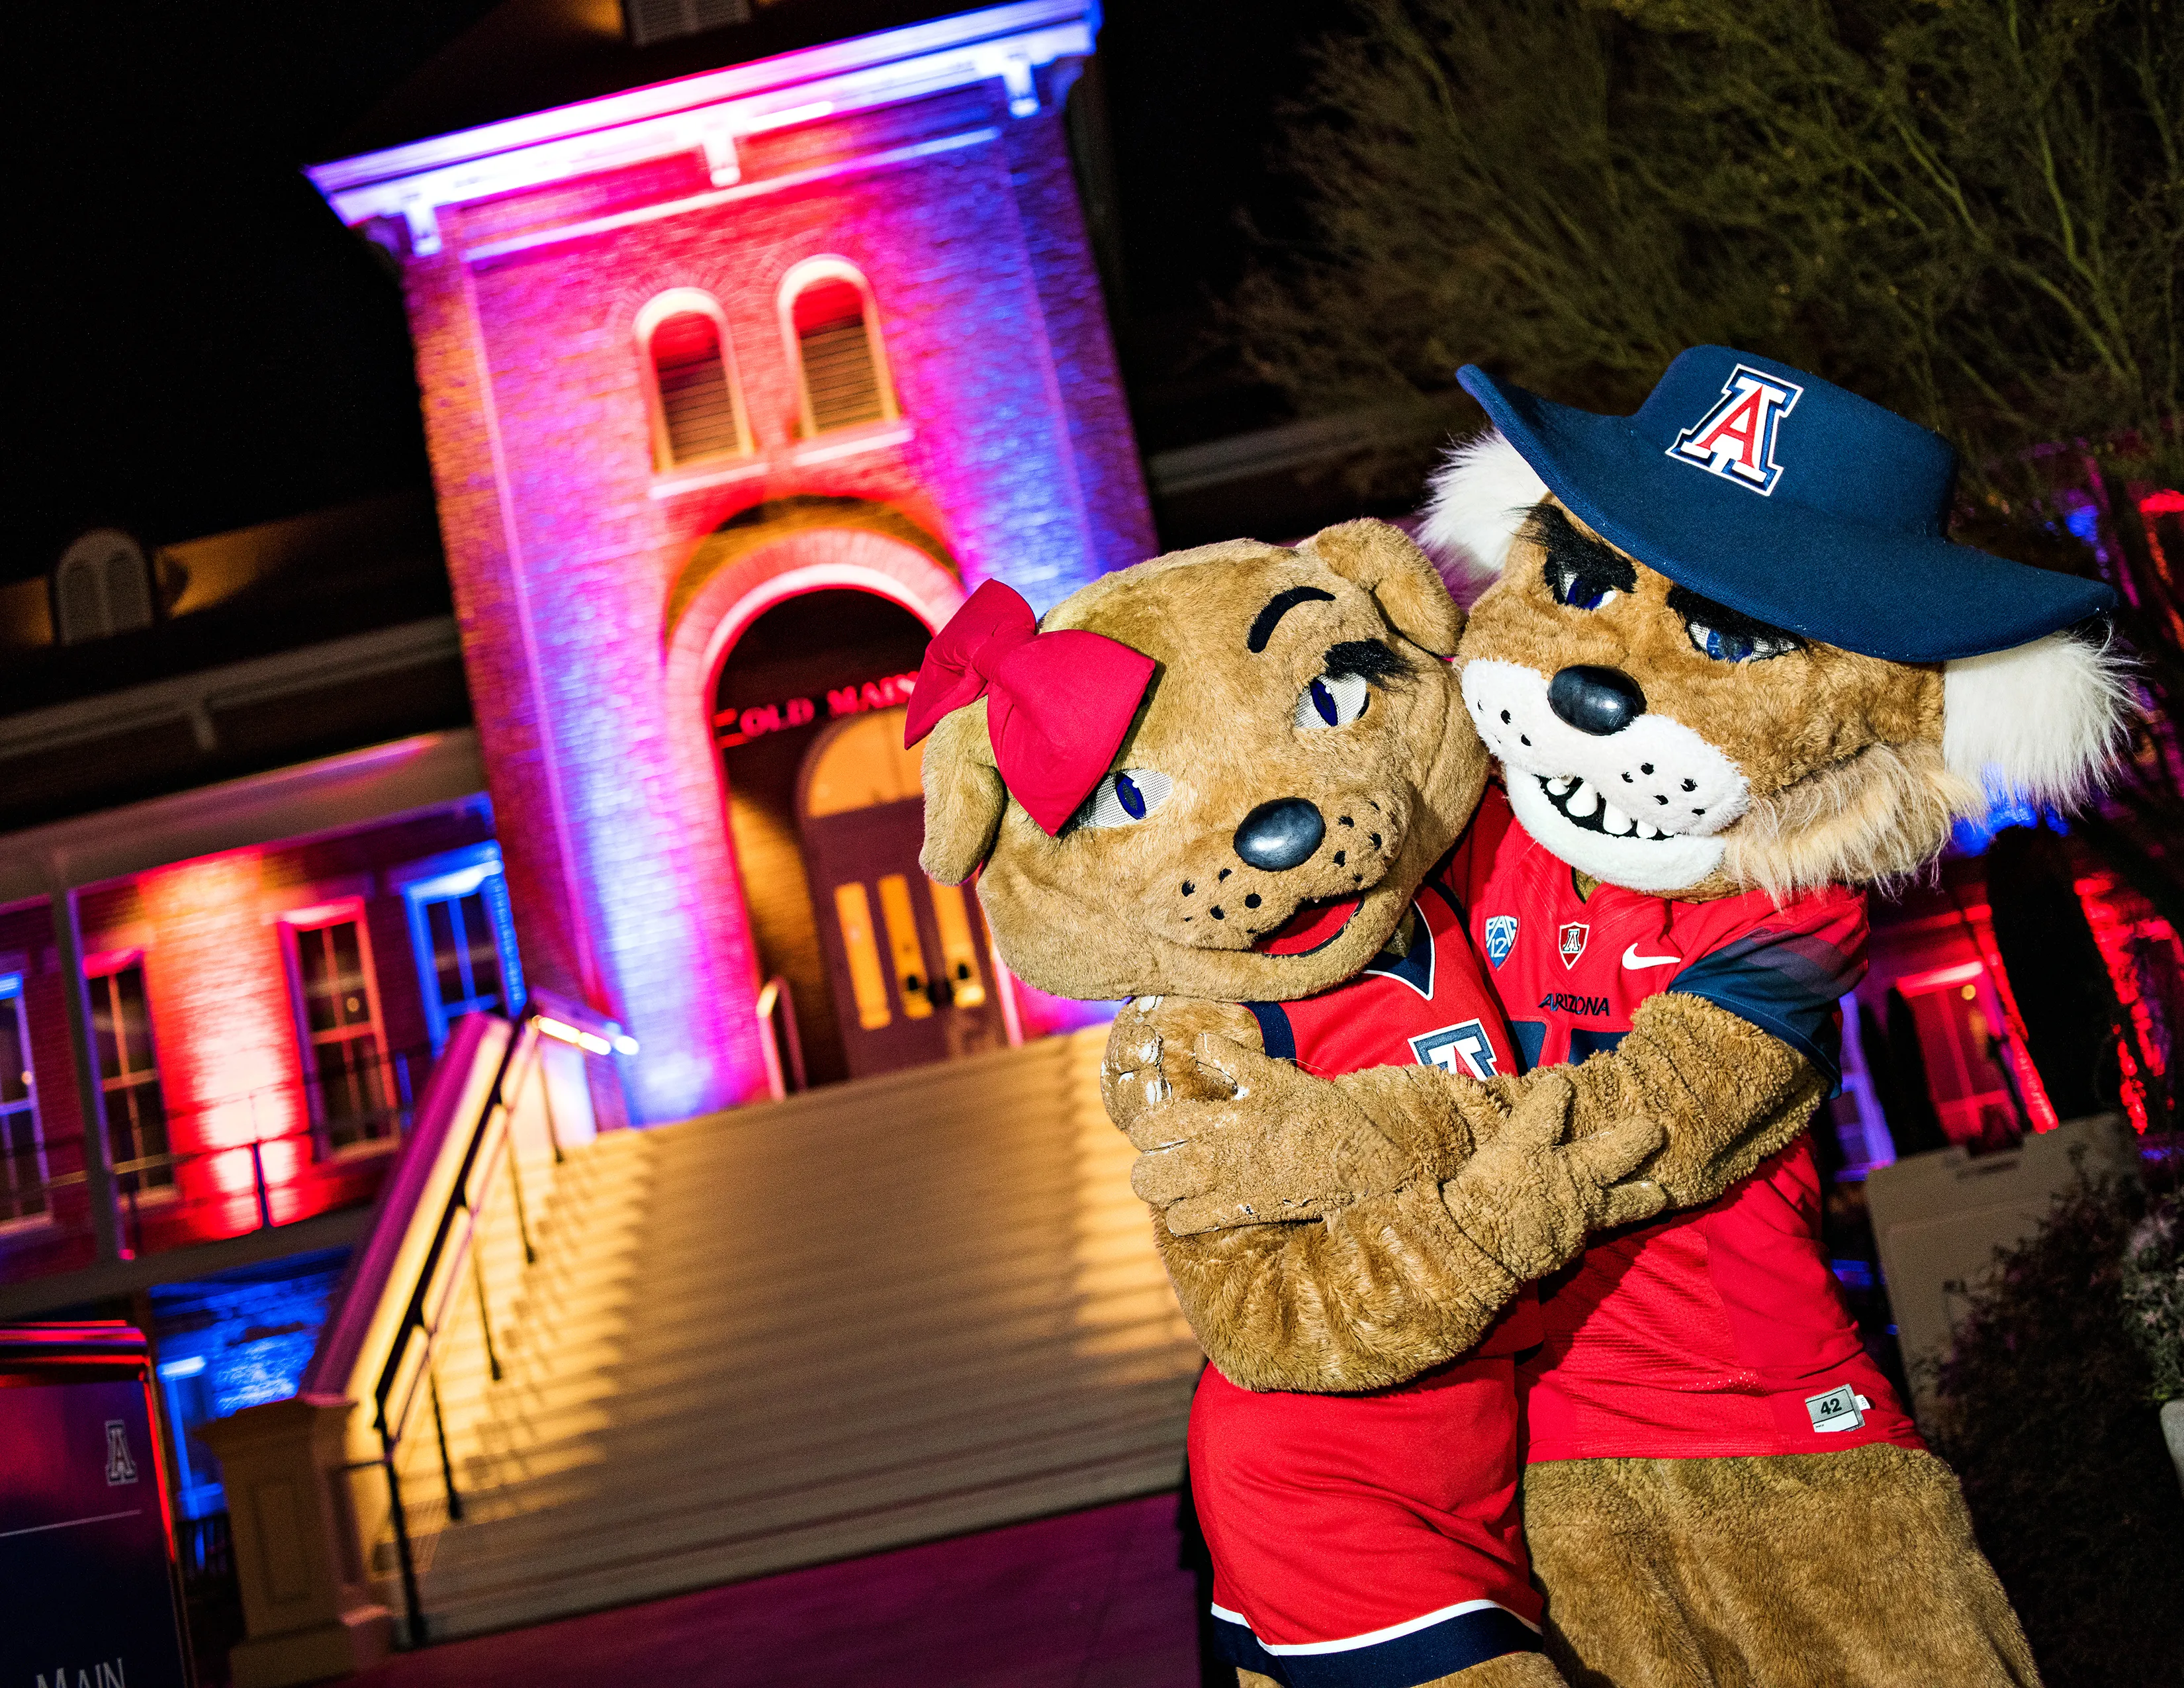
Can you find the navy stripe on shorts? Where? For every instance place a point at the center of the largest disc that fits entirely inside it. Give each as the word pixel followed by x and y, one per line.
pixel 1402 1655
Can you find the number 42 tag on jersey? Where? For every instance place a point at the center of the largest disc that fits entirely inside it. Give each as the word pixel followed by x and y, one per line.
pixel 1839 1409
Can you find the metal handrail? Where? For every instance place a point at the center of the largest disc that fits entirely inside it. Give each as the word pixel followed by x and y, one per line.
pixel 786 1074
pixel 455 1238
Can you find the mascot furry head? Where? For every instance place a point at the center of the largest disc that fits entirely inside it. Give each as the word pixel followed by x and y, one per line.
pixel 1727 644
pixel 1212 834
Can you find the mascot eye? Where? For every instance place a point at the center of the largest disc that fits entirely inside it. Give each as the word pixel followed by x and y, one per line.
pixel 1332 700
pixel 1579 587
pixel 1125 797
pixel 1738 644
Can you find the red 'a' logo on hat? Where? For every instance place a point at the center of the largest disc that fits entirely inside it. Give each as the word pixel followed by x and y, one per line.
pixel 1735 439
pixel 1572 941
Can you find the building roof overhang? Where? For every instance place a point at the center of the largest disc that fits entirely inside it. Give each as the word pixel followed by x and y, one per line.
pixel 709 112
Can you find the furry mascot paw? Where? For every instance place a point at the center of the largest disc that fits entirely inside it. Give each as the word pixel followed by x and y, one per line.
pixel 1226 783
pixel 1733 674
pixel 1293 1131
pixel 1151 1058
pixel 1528 1197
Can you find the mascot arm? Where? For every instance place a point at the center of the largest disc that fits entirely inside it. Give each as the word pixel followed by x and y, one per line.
pixel 1472 1191
pixel 1354 1301
pixel 1376 1291
pixel 1342 1294
pixel 1727 1094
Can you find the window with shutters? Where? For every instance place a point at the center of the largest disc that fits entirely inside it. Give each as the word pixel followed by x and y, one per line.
pixel 646 21
pixel 462 938
pixel 690 374
pixel 101 585
pixel 128 1074
pixel 835 332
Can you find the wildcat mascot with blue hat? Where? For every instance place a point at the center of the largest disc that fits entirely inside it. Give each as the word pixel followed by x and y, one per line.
pixel 1734 674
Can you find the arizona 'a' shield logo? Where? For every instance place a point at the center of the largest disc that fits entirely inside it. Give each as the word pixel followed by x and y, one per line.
pixel 1464 1048
pixel 1500 937
pixel 1735 439
pixel 121 1464
pixel 1571 942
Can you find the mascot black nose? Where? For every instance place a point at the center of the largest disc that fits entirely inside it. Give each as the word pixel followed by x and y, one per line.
pixel 1280 834
pixel 1596 701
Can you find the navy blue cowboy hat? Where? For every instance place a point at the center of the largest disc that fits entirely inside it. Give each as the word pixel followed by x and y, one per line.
pixel 1791 501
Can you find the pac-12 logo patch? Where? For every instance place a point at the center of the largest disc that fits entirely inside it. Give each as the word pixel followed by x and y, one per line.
pixel 1735 439
pixel 1464 1048
pixel 1500 937
pixel 1569 942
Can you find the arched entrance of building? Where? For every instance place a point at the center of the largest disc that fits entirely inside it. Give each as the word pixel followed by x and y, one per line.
pixel 828 656
pixel 792 617
pixel 906 957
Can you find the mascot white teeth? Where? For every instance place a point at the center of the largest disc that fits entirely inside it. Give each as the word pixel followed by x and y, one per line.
pixel 1734 674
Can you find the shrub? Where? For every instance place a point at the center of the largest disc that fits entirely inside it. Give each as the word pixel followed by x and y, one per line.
pixel 2045 1412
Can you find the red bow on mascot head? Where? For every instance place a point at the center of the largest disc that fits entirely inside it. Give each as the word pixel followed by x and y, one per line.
pixel 1057 704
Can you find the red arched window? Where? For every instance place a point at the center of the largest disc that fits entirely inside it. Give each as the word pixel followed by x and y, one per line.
pixel 844 382
pixel 697 413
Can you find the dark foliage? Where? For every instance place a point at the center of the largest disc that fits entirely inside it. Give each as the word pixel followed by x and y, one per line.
pixel 2045 1415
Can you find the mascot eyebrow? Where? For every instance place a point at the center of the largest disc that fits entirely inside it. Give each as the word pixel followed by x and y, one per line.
pixel 1367 660
pixel 1575 555
pixel 1278 606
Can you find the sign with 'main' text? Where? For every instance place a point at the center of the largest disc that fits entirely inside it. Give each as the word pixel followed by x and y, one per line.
pixel 85 1580
pixel 732 728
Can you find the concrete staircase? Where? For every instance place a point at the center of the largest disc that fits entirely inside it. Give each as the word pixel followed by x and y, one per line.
pixel 874 1314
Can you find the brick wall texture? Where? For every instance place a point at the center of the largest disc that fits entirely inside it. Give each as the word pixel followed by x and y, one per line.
pixel 1012 452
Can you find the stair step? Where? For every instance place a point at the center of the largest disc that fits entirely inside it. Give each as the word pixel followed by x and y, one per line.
pixel 870 1315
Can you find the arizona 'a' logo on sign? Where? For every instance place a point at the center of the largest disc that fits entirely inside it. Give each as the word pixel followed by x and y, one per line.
pixel 121 1464
pixel 1500 937
pixel 1735 439
pixel 1571 942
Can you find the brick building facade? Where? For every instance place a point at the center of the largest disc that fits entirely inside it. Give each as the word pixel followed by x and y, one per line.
pixel 572 277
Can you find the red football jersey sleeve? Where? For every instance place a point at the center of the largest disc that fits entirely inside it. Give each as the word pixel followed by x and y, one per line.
pixel 1719 1331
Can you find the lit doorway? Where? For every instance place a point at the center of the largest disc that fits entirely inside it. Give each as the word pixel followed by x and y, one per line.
pixel 1962 1036
pixel 802 673
pixel 905 956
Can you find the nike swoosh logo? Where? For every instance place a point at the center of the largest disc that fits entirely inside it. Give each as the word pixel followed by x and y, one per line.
pixel 1631 958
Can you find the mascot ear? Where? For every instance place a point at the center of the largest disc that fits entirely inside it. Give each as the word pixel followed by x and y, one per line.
pixel 2041 721
pixel 1479 498
pixel 1401 578
pixel 964 796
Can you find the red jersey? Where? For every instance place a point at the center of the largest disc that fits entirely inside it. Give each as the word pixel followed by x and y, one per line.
pixel 1433 1006
pixel 1374 1538
pixel 1721 1331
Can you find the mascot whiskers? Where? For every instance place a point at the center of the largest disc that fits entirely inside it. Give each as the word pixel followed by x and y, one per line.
pixel 1242 778
pixel 1734 673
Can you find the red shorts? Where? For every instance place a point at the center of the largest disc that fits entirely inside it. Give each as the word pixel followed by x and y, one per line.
pixel 1366 1539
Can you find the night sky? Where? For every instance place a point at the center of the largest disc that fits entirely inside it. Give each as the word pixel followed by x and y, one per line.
pixel 200 346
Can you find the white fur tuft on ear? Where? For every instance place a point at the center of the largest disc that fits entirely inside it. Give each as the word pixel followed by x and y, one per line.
pixel 1475 503
pixel 2040 721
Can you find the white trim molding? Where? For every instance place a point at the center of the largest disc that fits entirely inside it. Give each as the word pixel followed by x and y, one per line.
pixel 709 113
